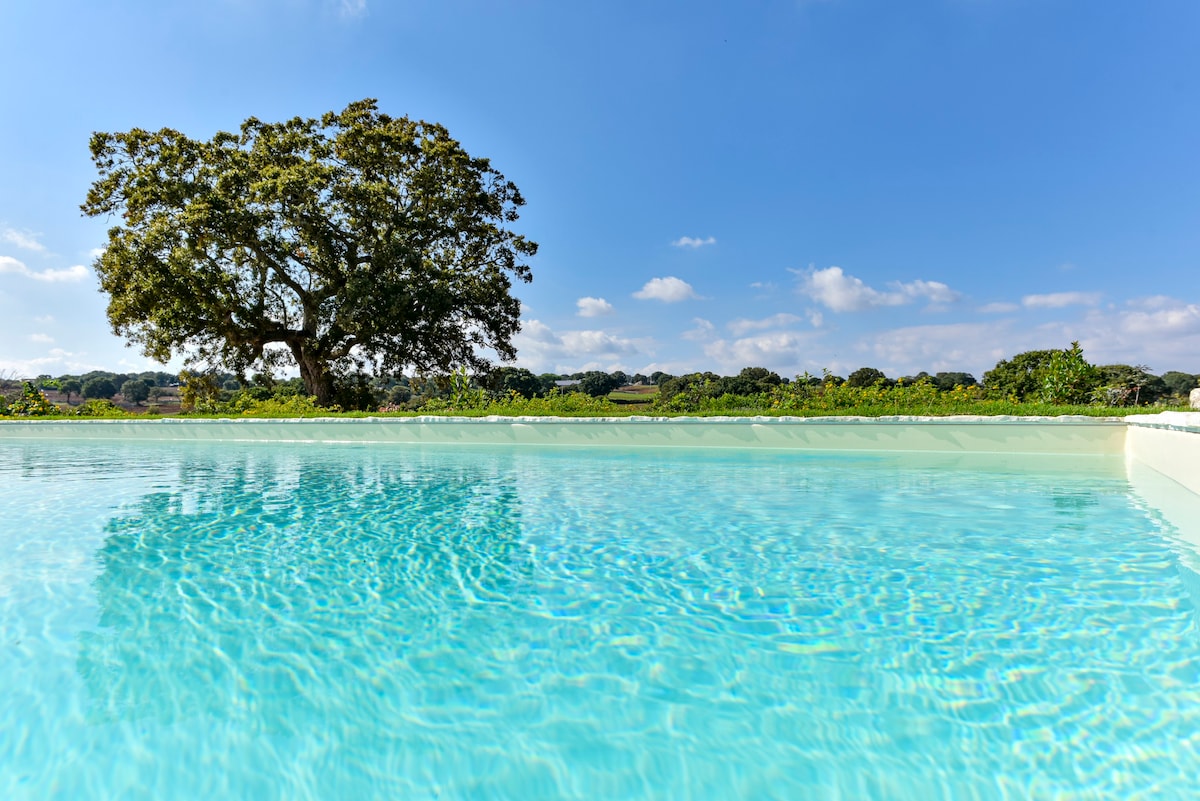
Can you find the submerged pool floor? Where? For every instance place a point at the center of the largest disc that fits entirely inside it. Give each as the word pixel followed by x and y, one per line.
pixel 315 622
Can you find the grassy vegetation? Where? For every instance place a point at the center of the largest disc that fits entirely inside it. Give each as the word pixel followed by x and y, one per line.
pixel 795 399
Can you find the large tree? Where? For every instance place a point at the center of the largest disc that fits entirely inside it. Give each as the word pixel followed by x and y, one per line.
pixel 350 242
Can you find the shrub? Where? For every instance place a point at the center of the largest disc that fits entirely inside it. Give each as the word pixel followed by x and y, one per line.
pixel 1068 378
pixel 98 407
pixel 31 403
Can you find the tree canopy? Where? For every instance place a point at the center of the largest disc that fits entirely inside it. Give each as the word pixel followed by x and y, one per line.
pixel 350 242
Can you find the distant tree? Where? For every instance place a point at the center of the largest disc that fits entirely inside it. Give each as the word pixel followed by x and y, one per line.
pixel 948 381
pixel 865 377
pixel 621 378
pixel 698 384
pixel 98 389
pixel 658 377
pixel 1129 385
pixel 639 380
pixel 399 394
pixel 597 383
pixel 546 380
pixel 69 387
pixel 351 241
pixel 1180 384
pixel 1022 375
pixel 513 379
pixel 135 391
pixel 750 381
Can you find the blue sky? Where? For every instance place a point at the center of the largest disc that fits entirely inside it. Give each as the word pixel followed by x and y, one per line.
pixel 804 184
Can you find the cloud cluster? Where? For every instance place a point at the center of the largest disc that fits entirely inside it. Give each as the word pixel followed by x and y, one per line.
pixel 668 290
pixel 1058 300
pixel 787 352
pixel 22 239
pixel 593 307
pixel 840 292
pixel 10 265
pixel 542 349
pixel 693 242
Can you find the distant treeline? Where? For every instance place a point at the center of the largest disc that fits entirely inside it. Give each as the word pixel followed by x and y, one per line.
pixel 1040 377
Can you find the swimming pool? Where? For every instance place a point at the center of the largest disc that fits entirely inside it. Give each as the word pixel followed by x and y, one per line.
pixel 307 620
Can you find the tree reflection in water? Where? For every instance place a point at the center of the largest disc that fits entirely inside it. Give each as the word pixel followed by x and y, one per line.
pixel 307 591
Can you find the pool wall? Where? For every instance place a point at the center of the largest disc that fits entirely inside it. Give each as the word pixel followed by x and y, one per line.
pixel 1162 451
pixel 1168 443
pixel 1064 435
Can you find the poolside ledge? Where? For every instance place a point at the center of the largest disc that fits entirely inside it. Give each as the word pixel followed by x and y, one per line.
pixel 1162 451
pixel 1073 435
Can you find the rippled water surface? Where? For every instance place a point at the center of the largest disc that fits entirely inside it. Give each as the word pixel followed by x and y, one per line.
pixel 216 621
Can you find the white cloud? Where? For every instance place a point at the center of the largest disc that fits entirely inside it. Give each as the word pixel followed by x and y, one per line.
pixel 96 253
pixel 1161 332
pixel 703 330
pixel 1164 321
pixel 44 319
pixel 1057 300
pixel 593 307
pixel 352 8
pixel 742 326
pixel 835 290
pixel 669 290
pixel 998 308
pixel 786 352
pixel 58 361
pixel 22 239
pixel 11 265
pixel 541 349
pixel 42 338
pixel 693 242
pixel 969 347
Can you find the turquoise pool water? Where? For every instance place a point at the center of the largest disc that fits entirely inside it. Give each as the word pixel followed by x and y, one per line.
pixel 219 621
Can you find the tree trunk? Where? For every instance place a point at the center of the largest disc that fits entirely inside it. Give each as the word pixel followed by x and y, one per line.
pixel 314 372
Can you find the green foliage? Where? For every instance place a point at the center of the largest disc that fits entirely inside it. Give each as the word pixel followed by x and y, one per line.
pixel 598 384
pixel 865 377
pixel 99 407
pixel 948 381
pixel 1180 384
pixel 1068 378
pixel 1020 377
pixel 569 404
pixel 69 387
pixel 504 380
pixel 1127 385
pixel 198 392
pixel 694 386
pixel 353 240
pixel 750 381
pixel 98 389
pixel 277 406
pixel 30 403
pixel 135 391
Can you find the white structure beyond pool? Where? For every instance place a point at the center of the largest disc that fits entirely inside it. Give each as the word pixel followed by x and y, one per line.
pixel 561 608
